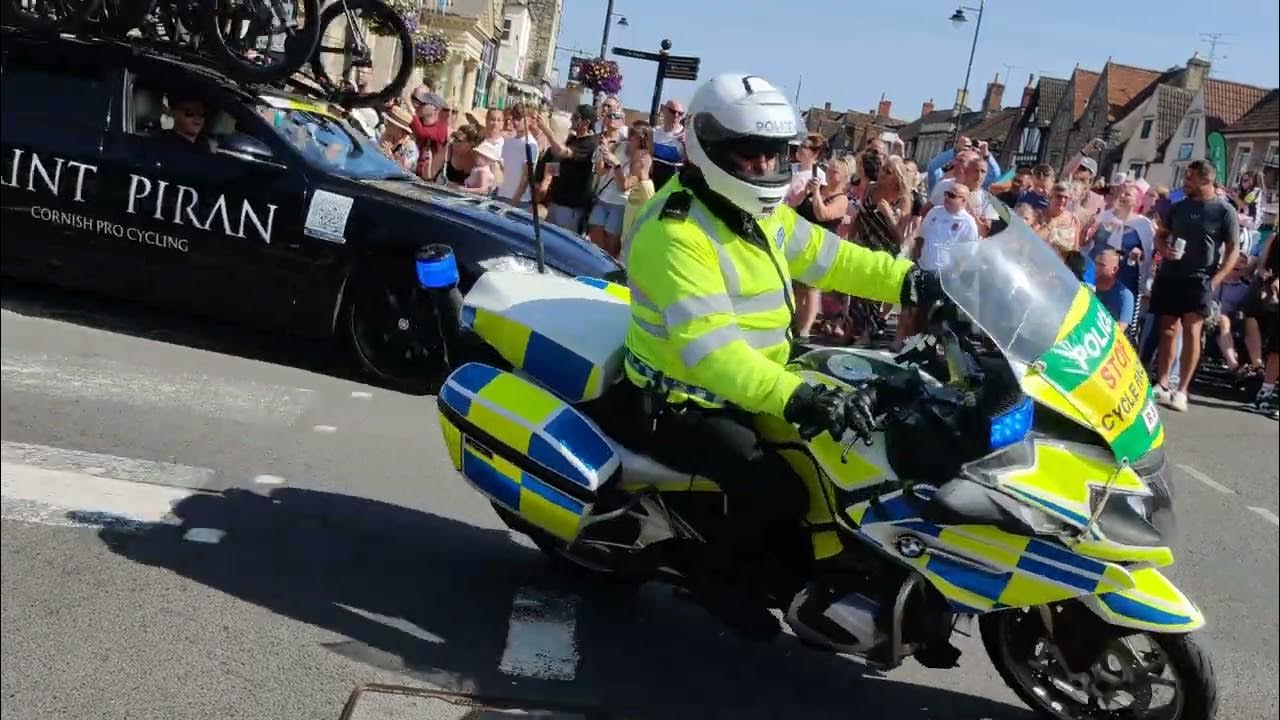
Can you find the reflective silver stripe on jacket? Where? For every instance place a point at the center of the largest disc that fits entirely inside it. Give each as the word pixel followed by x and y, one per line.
pixel 760 339
pixel 687 309
pixel 708 343
pixel 764 302
pixel 826 259
pixel 639 298
pixel 661 382
pixel 801 235
pixel 657 331
pixel 727 269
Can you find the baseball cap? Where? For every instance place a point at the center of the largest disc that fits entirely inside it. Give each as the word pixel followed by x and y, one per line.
pixel 585 112
pixel 424 97
pixel 1091 165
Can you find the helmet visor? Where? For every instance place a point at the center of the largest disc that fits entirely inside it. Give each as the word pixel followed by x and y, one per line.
pixel 761 160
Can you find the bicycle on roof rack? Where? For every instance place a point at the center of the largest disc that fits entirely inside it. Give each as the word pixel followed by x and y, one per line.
pixel 251 41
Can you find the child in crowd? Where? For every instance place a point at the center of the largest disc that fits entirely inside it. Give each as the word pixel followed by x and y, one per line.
pixel 483 177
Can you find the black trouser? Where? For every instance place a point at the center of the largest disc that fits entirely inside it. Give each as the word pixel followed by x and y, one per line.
pixel 763 539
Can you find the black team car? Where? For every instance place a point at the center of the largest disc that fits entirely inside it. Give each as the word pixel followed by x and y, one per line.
pixel 280 216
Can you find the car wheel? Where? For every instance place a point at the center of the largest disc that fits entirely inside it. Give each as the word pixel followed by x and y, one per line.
pixel 392 332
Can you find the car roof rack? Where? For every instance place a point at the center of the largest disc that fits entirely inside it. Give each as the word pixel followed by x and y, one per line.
pixel 188 62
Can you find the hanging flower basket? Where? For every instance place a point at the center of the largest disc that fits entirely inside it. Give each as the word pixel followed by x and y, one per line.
pixel 600 75
pixel 409 10
pixel 430 47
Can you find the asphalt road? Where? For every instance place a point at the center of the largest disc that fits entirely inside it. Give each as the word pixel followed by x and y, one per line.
pixel 298 532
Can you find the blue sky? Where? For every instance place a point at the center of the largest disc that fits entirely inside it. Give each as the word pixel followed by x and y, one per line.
pixel 850 52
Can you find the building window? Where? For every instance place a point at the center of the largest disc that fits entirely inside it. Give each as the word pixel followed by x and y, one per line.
pixel 1146 128
pixel 1137 170
pixel 1030 140
pixel 1185 150
pixel 1192 125
pixel 1273 154
pixel 1055 158
pixel 484 75
pixel 1243 154
pixel 506 29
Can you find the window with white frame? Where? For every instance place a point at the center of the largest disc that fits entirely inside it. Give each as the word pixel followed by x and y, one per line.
pixel 1137 170
pixel 1185 150
pixel 1192 124
pixel 506 29
pixel 1273 154
pixel 1146 128
pixel 1030 140
pixel 1178 171
pixel 1244 152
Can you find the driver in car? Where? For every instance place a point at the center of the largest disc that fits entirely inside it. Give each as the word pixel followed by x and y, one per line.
pixel 710 264
pixel 189 114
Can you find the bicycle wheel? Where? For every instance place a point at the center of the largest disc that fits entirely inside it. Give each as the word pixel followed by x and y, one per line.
pixel 48 16
pixel 344 45
pixel 260 41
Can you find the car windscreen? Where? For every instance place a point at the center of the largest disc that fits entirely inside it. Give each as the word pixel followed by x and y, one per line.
pixel 329 144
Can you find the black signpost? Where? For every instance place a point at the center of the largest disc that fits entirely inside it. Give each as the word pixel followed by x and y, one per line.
pixel 676 67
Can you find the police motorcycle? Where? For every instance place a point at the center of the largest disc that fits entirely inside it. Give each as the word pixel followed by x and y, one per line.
pixel 1017 477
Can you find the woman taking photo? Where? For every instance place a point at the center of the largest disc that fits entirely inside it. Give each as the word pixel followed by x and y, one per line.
pixel 459 160
pixel 825 205
pixel 637 183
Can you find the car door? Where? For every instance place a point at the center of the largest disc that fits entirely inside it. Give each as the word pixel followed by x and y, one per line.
pixel 212 217
pixel 53 112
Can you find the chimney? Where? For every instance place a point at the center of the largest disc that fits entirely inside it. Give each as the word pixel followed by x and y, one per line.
pixel 927 107
pixel 826 106
pixel 1029 91
pixel 882 110
pixel 1197 70
pixel 995 96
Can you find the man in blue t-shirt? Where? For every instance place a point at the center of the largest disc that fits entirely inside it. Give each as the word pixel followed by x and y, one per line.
pixel 1115 296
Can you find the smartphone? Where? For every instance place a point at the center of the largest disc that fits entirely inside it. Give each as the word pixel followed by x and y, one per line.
pixel 553 169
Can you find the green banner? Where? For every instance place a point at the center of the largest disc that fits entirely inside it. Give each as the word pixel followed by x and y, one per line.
pixel 1217 154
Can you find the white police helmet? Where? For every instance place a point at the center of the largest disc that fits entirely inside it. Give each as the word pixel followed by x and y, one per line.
pixel 746 116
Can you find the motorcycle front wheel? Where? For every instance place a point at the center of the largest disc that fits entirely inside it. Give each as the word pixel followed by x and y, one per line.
pixel 1129 673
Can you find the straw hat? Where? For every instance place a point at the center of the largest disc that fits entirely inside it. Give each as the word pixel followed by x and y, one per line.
pixel 488 150
pixel 399 116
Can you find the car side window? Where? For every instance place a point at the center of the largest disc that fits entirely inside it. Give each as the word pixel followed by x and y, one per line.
pixel 54 99
pixel 181 116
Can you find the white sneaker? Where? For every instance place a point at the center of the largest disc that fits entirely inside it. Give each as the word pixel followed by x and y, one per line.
pixel 1178 401
pixel 1162 395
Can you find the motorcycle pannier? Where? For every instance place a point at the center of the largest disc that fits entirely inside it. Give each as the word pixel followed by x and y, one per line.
pixel 524 448
pixel 567 334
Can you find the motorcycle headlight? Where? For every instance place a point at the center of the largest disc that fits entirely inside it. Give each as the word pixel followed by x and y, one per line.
pixel 518 263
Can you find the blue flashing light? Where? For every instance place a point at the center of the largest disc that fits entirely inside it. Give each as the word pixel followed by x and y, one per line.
pixel 437 267
pixel 1012 425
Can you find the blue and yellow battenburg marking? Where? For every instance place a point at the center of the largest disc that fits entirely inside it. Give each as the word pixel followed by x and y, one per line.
pixel 563 371
pixel 980 568
pixel 493 419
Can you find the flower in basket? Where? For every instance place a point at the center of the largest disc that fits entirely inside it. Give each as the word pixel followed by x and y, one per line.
pixel 408 10
pixel 601 75
pixel 430 48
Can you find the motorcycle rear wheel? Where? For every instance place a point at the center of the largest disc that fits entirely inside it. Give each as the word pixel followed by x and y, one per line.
pixel 1021 652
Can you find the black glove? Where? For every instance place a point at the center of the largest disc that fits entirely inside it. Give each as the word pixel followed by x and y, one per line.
pixel 813 410
pixel 922 289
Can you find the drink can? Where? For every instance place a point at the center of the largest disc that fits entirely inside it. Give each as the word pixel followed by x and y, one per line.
pixel 1179 247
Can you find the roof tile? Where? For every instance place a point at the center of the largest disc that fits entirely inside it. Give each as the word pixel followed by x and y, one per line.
pixel 1264 117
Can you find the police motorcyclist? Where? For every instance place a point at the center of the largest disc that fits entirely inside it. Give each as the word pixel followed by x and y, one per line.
pixel 710 266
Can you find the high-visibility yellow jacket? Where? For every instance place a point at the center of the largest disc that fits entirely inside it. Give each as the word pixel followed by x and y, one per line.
pixel 709 309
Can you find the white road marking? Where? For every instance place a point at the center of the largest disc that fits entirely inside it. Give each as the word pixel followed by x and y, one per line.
pixel 360 394
pixel 99 464
pixel 325 428
pixel 104 380
pixel 540 637
pixel 400 624
pixel 73 499
pixel 1206 479
pixel 1266 515
pixel 209 536
pixel 269 480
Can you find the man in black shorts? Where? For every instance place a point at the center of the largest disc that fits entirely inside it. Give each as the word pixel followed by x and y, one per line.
pixel 1199 242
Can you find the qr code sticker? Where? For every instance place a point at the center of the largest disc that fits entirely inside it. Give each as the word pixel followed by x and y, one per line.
pixel 327 216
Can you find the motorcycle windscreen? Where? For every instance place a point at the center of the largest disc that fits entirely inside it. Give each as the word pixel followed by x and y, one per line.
pixel 1015 287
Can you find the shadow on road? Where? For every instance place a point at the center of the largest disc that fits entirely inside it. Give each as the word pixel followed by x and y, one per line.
pixel 148 322
pixel 430 597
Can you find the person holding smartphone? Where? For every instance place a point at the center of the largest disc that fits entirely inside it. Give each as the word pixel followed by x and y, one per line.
pixel 604 223
pixel 570 169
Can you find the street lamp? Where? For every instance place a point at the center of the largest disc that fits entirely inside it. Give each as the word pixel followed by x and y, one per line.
pixel 958 19
pixel 609 15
